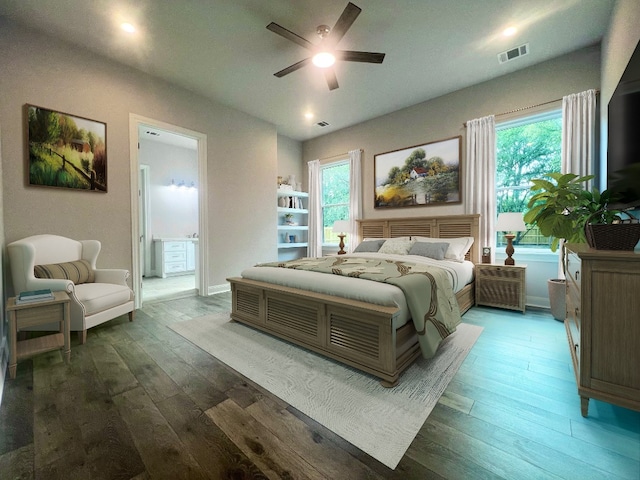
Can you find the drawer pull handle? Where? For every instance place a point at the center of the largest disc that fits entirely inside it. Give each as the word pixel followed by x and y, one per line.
pixel 577 274
pixel 577 311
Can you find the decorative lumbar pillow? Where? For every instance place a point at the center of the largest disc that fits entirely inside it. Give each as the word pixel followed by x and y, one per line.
pixel 78 271
pixel 458 247
pixel 434 250
pixel 369 246
pixel 396 246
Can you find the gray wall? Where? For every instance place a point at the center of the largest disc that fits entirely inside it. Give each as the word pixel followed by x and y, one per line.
pixel 289 155
pixel 444 116
pixel 41 71
pixel 172 212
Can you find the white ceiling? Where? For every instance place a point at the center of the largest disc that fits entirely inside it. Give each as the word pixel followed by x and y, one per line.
pixel 221 49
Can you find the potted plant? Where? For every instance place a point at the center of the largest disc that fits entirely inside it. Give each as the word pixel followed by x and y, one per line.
pixel 561 207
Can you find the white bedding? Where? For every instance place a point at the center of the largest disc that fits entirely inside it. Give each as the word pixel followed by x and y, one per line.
pixel 368 291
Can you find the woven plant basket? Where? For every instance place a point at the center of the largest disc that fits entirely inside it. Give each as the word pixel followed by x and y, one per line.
pixel 616 236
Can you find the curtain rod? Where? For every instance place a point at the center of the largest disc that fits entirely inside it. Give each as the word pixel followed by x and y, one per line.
pixel 527 108
pixel 339 155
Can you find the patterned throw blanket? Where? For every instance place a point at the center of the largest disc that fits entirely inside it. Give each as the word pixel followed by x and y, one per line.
pixel 430 298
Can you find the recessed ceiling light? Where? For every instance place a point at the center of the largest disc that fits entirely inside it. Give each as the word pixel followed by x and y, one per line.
pixel 509 32
pixel 308 115
pixel 127 27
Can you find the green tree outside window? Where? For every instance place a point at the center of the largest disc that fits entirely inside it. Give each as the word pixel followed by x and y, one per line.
pixel 525 151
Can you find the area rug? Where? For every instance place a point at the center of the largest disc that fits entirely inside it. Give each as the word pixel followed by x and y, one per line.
pixel 380 421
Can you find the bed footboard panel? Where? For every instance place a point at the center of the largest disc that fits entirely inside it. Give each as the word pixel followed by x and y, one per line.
pixel 355 333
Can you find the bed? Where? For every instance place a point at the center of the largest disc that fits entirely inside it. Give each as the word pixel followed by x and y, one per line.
pixel 371 337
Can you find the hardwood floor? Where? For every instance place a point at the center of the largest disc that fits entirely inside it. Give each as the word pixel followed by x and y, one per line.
pixel 139 401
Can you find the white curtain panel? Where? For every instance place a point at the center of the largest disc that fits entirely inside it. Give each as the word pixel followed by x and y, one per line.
pixel 578 133
pixel 315 218
pixel 355 197
pixel 480 177
pixel 578 139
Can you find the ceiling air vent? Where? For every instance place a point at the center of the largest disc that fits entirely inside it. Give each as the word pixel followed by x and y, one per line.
pixel 513 53
pixel 322 124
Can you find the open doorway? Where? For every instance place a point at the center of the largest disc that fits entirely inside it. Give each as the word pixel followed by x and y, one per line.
pixel 168 203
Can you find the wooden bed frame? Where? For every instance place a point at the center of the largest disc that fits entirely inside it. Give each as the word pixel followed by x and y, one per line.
pixel 356 333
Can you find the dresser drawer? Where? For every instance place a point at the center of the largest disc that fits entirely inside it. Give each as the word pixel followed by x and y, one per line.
pixel 175 256
pixel 175 246
pixel 573 264
pixel 573 305
pixel 175 267
pixel 500 273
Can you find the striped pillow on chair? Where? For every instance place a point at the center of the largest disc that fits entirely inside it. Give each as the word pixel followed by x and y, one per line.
pixel 78 272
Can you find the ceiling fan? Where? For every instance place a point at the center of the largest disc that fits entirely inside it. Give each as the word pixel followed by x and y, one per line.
pixel 325 53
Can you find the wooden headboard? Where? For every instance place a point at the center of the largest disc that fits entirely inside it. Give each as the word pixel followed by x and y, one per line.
pixel 435 227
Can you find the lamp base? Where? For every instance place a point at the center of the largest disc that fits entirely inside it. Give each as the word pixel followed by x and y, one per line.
pixel 341 245
pixel 509 250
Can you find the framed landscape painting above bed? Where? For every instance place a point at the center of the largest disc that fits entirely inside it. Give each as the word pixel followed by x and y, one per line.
pixel 422 175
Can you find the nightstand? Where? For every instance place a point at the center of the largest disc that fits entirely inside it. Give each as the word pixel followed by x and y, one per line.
pixel 38 313
pixel 502 286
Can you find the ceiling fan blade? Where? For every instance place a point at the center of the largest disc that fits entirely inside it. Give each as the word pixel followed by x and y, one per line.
pixel 289 35
pixel 292 68
pixel 332 80
pixel 353 56
pixel 343 24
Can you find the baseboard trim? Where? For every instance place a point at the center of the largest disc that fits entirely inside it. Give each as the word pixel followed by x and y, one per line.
pixel 4 361
pixel 215 289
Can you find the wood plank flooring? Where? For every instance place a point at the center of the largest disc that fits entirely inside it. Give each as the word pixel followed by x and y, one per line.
pixel 138 401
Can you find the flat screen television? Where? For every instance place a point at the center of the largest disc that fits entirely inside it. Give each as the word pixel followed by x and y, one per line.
pixel 623 136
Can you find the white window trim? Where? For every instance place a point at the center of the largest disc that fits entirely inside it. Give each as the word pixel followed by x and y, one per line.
pixel 323 165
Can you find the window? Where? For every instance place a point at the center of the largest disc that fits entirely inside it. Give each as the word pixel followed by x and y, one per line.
pixel 526 149
pixel 335 198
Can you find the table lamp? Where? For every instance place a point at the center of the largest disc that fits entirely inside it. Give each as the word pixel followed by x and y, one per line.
pixel 510 222
pixel 339 227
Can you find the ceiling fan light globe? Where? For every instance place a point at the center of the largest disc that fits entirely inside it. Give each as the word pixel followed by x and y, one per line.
pixel 323 30
pixel 324 59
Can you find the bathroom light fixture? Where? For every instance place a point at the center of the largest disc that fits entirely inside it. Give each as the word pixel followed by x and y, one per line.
pixel 182 185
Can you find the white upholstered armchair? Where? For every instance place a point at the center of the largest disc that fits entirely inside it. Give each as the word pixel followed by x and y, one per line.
pixel 62 264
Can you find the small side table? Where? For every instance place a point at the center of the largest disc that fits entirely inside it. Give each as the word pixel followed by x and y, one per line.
pixel 38 313
pixel 502 286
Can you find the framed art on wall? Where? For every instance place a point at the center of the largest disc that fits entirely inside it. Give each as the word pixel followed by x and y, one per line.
pixel 422 175
pixel 65 151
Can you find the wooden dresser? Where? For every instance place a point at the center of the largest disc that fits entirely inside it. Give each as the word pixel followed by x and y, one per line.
pixel 603 324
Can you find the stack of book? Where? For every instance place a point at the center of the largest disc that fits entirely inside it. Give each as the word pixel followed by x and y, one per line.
pixel 34 296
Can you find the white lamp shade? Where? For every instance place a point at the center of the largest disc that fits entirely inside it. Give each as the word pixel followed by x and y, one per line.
pixel 340 226
pixel 510 222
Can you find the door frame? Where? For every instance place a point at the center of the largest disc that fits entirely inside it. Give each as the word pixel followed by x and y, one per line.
pixel 202 275
pixel 143 216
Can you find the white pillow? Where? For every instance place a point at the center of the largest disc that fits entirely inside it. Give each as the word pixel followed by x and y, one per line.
pixel 396 246
pixel 458 247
